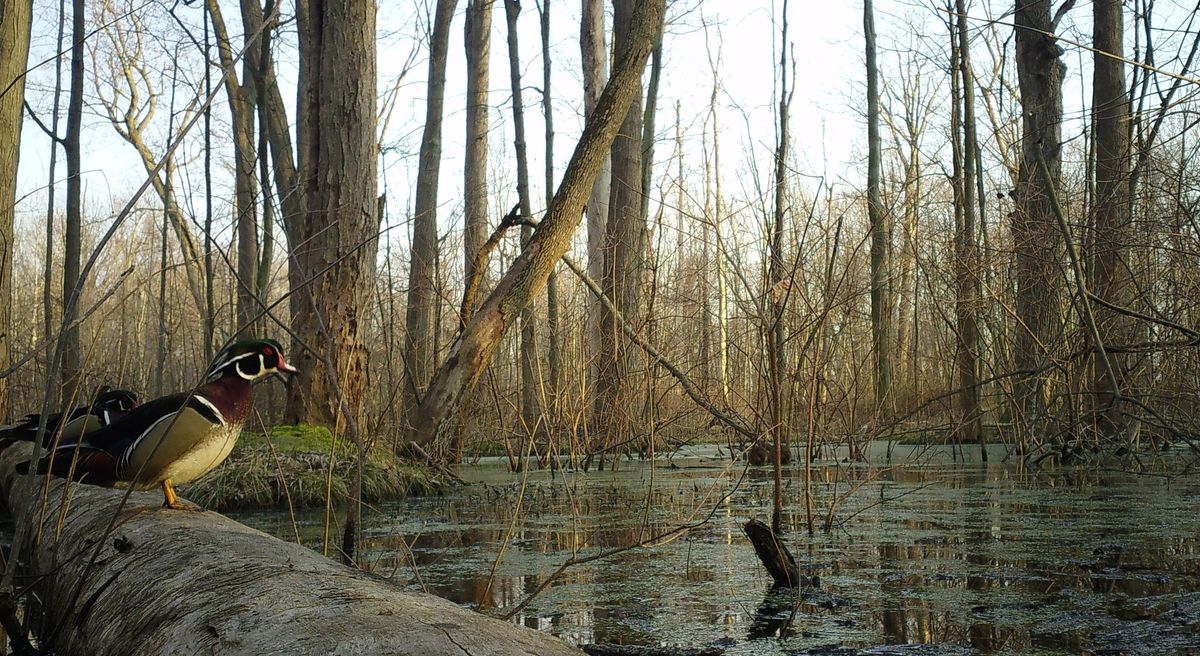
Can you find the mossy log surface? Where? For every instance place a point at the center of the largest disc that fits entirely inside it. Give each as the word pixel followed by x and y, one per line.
pixel 178 582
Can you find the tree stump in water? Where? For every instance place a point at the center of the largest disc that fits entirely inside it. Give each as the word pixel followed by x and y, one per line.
pixel 774 555
pixel 764 452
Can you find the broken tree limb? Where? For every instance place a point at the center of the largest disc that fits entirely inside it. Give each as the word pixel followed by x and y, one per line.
pixel 774 555
pixel 175 582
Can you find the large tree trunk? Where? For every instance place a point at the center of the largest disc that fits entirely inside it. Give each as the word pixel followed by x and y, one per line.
pixel 1114 219
pixel 594 52
pixel 173 582
pixel 16 19
pixel 473 350
pixel 1036 238
pixel 422 298
pixel 624 264
pixel 336 234
pixel 881 346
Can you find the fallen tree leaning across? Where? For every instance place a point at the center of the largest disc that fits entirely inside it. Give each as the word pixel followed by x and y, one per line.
pixel 176 582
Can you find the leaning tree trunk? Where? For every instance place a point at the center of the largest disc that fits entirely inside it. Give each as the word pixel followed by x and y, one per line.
pixel 16 19
pixel 473 350
pixel 162 581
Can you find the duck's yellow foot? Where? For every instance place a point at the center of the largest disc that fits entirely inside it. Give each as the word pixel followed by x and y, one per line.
pixel 174 502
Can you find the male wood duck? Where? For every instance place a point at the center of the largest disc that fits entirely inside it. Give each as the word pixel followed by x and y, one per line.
pixel 108 405
pixel 174 439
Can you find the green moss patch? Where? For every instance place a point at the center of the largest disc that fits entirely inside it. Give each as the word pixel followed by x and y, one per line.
pixel 293 464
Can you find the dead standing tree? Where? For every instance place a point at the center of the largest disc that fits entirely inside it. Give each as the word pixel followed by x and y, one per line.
pixel 881 345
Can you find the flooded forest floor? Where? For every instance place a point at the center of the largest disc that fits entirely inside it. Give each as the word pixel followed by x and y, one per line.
pixel 928 554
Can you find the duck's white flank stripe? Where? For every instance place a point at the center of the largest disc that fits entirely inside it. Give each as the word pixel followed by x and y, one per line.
pixel 210 406
pixel 124 462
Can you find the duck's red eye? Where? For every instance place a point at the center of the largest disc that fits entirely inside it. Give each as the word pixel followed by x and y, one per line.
pixel 267 350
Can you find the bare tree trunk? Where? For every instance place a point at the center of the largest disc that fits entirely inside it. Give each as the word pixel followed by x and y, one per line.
pixel 554 347
pixel 266 251
pixel 168 172
pixel 907 300
pixel 624 265
pixel 777 287
pixel 530 381
pixel 55 142
pixel 16 19
pixel 714 205
pixel 880 321
pixel 242 99
pixel 478 44
pixel 339 224
pixel 967 268
pixel 209 309
pixel 72 238
pixel 475 190
pixel 594 53
pixel 1036 237
pixel 254 78
pixel 1114 217
pixel 422 299
pixel 524 281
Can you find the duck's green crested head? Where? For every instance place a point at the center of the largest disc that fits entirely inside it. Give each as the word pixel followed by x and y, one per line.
pixel 251 359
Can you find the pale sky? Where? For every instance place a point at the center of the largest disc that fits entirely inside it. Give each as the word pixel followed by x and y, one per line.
pixel 828 129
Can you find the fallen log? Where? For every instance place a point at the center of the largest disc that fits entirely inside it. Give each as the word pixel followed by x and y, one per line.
pixel 177 582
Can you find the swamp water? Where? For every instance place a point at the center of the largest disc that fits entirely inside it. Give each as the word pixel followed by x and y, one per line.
pixel 928 555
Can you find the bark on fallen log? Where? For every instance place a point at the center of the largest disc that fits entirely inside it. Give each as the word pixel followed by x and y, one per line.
pixel 177 582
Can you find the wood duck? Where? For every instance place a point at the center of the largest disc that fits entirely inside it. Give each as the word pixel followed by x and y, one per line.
pixel 108 405
pixel 174 439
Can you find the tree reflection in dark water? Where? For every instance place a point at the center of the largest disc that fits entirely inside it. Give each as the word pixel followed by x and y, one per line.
pixel 996 558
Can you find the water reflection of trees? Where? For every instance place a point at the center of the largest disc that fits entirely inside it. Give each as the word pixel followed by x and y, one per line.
pixel 970 555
